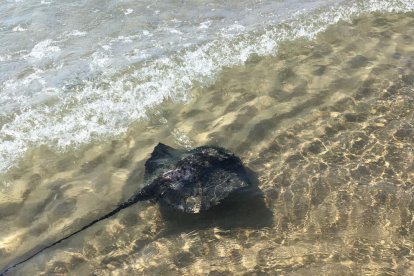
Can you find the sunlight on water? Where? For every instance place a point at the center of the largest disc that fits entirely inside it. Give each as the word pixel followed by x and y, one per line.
pixel 326 124
pixel 80 79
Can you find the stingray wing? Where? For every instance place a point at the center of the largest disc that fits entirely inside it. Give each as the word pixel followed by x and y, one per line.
pixel 162 158
pixel 220 184
pixel 205 191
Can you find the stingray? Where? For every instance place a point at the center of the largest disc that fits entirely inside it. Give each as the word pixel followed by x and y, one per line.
pixel 189 181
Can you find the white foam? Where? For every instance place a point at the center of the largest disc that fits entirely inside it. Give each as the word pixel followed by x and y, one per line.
pixel 106 47
pixel 5 57
pixel 205 24
pixel 43 49
pixel 128 11
pixel 95 110
pixel 125 39
pixel 173 31
pixel 77 33
pixel 19 28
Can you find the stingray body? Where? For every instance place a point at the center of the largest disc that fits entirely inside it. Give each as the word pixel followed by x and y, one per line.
pixel 190 181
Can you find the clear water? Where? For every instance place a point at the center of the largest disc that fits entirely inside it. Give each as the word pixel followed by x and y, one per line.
pixel 77 71
pixel 315 96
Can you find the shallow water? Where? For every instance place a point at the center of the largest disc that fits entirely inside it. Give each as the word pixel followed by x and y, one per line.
pixel 77 72
pixel 80 71
pixel 326 124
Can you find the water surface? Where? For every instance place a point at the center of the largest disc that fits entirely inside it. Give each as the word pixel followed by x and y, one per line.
pixel 326 123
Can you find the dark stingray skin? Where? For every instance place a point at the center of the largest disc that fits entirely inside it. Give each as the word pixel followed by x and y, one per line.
pixel 189 181
pixel 195 180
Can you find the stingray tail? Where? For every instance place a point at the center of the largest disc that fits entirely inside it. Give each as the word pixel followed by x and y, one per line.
pixel 141 196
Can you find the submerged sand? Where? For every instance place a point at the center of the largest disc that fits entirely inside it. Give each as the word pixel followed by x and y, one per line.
pixel 328 127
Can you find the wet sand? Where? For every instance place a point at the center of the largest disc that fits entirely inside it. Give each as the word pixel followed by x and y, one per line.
pixel 327 125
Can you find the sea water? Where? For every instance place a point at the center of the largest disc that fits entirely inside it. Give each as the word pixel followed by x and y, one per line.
pixel 315 96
